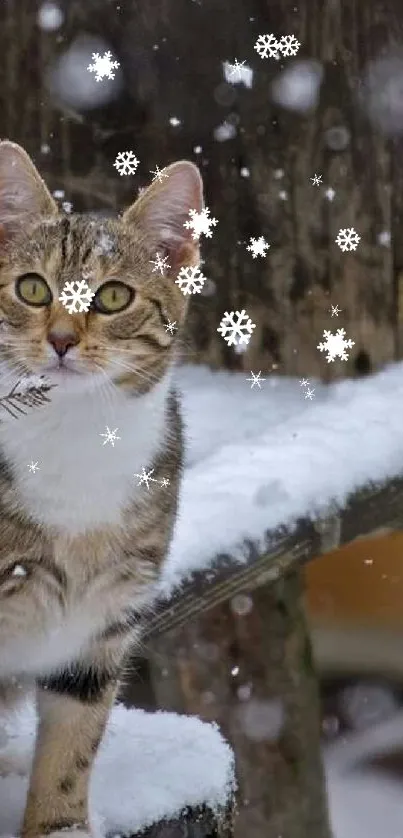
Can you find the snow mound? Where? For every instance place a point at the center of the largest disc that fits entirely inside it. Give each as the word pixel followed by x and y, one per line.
pixel 150 766
pixel 261 458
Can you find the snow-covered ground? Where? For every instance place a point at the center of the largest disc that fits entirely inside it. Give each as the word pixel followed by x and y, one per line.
pixel 259 458
pixel 153 765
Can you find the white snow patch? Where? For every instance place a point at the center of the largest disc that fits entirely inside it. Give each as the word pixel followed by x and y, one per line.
pixel 225 131
pixel 151 764
pixel 257 459
pixel 297 87
pixel 50 17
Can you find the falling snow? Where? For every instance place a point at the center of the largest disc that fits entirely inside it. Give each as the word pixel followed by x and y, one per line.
pixel 160 264
pixel 258 247
pixel 335 345
pixel 103 66
pixel 190 280
pixel 200 223
pixel 347 239
pixel 76 296
pixel 256 379
pixel 126 163
pixel 110 436
pixel 236 328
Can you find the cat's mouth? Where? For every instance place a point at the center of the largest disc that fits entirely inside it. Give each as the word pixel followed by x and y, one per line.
pixel 62 369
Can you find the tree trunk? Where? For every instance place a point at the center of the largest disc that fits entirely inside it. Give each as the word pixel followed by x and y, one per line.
pixel 248 666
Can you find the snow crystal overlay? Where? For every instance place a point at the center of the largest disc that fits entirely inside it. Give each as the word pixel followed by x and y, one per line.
pixel 258 247
pixel 160 264
pixel 33 467
pixel 236 328
pixel 145 477
pixel 76 296
pixel 267 46
pixel 335 345
pixel 110 436
pixel 316 180
pixel 190 280
pixel 103 66
pixel 256 379
pixel 347 239
pixel 200 223
pixel 126 163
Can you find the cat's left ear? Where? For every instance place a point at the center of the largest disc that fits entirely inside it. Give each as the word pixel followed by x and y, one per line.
pixel 23 194
pixel 163 208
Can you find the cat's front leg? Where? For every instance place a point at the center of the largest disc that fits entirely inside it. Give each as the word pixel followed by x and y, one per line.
pixel 73 710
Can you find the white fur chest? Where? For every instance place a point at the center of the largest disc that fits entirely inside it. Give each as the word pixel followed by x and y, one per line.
pixel 82 482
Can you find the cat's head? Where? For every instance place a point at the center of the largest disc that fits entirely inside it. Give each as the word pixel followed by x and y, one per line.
pixel 124 335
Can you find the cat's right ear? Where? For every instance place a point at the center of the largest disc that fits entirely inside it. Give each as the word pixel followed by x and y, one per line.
pixel 23 194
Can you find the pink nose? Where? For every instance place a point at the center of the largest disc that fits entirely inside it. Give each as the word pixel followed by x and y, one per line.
pixel 62 342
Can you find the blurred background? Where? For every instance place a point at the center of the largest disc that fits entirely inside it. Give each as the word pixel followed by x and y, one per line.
pixel 259 136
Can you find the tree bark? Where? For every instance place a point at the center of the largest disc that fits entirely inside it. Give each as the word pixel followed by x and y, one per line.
pixel 248 666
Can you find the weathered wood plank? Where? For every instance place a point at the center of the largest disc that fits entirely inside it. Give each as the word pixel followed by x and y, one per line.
pixel 247 666
pixel 368 512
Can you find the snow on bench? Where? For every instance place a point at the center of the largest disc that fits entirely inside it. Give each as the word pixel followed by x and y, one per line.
pixel 154 765
pixel 272 478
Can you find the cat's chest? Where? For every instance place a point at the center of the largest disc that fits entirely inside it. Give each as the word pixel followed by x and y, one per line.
pixel 81 479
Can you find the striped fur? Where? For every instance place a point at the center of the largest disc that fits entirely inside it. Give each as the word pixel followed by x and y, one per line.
pixel 90 539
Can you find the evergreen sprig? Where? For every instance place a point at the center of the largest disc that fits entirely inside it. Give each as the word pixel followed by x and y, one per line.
pixel 26 395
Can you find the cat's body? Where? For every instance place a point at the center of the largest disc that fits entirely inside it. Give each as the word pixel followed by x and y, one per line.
pixel 83 538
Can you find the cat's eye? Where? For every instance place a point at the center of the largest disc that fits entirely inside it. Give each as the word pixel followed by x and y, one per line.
pixel 33 290
pixel 112 297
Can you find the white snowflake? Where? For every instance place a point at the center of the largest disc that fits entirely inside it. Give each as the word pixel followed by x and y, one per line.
pixel 347 239
pixel 145 477
pixel 164 482
pixel 236 328
pixel 159 174
pixel 190 280
pixel 103 66
pixel 170 327
pixel 258 246
pixel 316 180
pixel 236 67
pixel 267 46
pixel 335 311
pixel 76 296
pixel 335 345
pixel 110 436
pixel 304 382
pixel 288 45
pixel 160 263
pixel 256 379
pixel 126 163
pixel 33 467
pixel 200 223
pixel 309 394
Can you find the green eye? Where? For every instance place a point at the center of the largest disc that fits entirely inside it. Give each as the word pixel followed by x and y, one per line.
pixel 32 289
pixel 112 297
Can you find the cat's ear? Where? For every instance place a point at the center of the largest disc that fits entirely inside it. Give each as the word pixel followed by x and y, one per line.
pixel 23 194
pixel 163 208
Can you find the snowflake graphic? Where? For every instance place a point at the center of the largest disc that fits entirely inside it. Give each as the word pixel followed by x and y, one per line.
pixel 160 263
pixel 316 180
pixel 335 345
pixel 76 296
pixel 200 223
pixel 267 46
pixel 347 239
pixel 289 45
pixel 256 379
pixel 236 67
pixel 304 382
pixel 335 310
pixel 145 477
pixel 236 328
pixel 170 327
pixel 126 163
pixel 309 394
pixel 33 467
pixel 110 436
pixel 103 66
pixel 258 247
pixel 190 280
pixel 159 174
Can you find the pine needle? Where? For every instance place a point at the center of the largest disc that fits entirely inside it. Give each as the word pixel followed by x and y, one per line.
pixel 25 395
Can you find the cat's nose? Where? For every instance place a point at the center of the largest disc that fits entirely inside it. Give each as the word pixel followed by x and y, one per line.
pixel 62 342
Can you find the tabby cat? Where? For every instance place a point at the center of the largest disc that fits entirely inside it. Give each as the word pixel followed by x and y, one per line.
pixel 81 542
